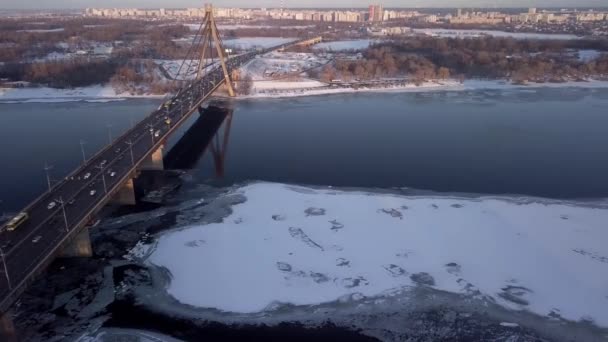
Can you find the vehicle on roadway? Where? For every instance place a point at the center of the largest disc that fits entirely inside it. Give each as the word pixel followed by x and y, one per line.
pixel 156 134
pixel 16 221
pixel 51 205
pixel 92 192
pixel 167 121
pixel 87 175
pixel 112 174
pixel 103 162
pixel 36 239
pixel 70 202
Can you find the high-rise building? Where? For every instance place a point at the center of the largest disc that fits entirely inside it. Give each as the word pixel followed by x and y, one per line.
pixel 376 13
pixel 532 10
pixel 459 13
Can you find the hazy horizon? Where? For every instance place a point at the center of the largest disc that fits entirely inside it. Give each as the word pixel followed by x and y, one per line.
pixel 81 4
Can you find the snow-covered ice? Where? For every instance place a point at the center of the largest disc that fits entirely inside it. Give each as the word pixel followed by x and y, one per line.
pixel 255 42
pixel 299 245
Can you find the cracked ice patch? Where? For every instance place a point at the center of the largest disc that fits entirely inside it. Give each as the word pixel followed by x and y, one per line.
pixel 307 246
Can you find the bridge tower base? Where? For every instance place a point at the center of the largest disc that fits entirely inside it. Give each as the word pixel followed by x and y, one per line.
pixel 8 332
pixel 126 194
pixel 79 247
pixel 154 161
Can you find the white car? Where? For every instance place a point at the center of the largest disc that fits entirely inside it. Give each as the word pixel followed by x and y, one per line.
pixel 112 174
pixel 87 175
pixel 51 205
pixel 92 192
pixel 157 134
pixel 36 239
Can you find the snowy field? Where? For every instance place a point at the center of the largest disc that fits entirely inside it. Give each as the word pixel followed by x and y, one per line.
pixel 478 33
pixel 276 64
pixel 343 45
pixel 255 42
pixel 292 244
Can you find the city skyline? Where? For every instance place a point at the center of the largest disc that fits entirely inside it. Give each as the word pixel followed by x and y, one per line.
pixel 78 4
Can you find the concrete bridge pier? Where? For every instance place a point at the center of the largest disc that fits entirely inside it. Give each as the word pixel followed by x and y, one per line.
pixel 154 161
pixel 80 246
pixel 126 194
pixel 8 332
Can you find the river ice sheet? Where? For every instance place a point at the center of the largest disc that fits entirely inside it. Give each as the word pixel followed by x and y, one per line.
pixel 291 244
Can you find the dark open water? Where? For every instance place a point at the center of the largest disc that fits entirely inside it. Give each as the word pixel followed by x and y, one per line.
pixel 543 142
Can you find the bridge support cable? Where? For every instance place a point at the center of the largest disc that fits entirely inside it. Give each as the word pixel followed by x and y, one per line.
pixel 206 40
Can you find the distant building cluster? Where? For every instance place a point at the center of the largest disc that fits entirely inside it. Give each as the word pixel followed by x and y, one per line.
pixel 532 16
pixel 172 13
pixel 375 13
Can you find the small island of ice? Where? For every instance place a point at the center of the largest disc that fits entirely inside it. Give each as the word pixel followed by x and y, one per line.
pixel 289 244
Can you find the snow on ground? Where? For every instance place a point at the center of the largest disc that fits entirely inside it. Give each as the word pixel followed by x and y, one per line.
pixel 255 42
pixel 43 31
pixel 267 89
pixel 265 86
pixel 93 94
pixel 478 33
pixel 277 64
pixel 588 55
pixel 189 69
pixel 493 84
pixel 342 45
pixel 292 244
pixel 121 334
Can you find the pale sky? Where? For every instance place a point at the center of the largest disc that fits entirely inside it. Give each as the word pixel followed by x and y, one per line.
pixel 50 4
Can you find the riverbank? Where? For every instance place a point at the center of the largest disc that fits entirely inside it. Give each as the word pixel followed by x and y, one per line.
pixel 282 89
pixel 97 93
pixel 278 89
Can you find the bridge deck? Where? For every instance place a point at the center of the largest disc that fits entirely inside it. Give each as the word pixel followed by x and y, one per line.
pixel 34 244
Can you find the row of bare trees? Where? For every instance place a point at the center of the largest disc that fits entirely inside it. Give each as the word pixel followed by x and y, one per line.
pixel 423 58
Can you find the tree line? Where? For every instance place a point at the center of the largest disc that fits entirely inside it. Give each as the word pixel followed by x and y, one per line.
pixel 423 58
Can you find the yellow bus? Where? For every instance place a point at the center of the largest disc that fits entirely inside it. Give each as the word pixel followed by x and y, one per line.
pixel 17 221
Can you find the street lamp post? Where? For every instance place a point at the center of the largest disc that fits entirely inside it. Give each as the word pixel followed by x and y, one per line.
pixel 48 167
pixel 103 177
pixel 65 217
pixel 151 128
pixel 84 156
pixel 8 279
pixel 130 143
pixel 109 133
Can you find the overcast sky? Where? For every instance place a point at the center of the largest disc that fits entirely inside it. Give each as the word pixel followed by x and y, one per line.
pixel 47 4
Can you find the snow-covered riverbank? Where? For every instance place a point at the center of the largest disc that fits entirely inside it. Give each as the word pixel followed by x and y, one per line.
pixel 276 89
pixel 304 246
pixel 99 93
pixel 279 89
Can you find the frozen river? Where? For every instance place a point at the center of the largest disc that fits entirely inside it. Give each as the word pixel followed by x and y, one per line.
pixel 404 202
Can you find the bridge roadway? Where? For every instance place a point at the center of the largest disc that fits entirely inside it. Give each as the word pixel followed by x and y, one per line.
pixel 34 244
